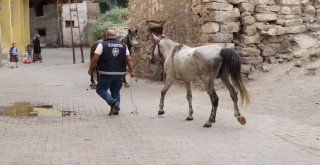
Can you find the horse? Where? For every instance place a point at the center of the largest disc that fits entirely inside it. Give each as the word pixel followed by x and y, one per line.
pixel 204 63
pixel 94 75
pixel 131 39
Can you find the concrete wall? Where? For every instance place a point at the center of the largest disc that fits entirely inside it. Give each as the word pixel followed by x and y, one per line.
pixel 261 31
pixel 83 21
pixel 48 22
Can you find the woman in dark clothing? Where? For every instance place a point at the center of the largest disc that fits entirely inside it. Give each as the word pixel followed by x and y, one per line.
pixel 37 49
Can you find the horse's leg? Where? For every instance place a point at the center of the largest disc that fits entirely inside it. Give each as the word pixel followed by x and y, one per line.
pixel 91 78
pixel 189 97
pixel 233 94
pixel 214 101
pixel 163 93
pixel 93 84
pixel 97 74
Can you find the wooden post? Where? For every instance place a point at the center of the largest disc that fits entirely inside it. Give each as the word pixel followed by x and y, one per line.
pixel 82 59
pixel 71 25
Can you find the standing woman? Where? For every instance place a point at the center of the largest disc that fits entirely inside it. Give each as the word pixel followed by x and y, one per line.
pixel 37 49
pixel 14 55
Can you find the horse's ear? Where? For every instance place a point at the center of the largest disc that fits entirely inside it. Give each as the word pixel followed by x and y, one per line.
pixel 155 37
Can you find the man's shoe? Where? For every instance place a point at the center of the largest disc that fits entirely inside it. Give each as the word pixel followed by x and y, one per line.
pixel 113 108
pixel 116 113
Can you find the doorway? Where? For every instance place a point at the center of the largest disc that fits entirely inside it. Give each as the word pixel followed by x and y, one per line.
pixel 43 36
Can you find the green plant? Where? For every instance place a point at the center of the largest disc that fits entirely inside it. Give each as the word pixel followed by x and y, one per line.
pixel 314 56
pixel 308 29
pixel 311 72
pixel 286 45
pixel 117 17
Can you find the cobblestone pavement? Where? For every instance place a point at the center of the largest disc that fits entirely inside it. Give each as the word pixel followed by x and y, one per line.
pixel 93 137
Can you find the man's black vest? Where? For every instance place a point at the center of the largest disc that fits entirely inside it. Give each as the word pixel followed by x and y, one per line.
pixel 113 58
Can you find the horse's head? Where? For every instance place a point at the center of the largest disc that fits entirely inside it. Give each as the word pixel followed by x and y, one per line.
pixel 133 37
pixel 156 54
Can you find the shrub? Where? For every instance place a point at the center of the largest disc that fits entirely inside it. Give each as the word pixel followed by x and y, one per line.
pixel 117 17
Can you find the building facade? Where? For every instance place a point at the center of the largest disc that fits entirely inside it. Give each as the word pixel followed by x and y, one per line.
pixel 14 24
pixel 53 21
pixel 21 20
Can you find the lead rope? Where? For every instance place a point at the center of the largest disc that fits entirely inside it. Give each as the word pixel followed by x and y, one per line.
pixel 135 111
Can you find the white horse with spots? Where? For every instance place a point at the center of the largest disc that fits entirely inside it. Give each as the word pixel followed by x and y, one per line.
pixel 204 63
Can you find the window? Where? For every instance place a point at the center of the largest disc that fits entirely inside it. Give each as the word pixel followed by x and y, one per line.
pixel 69 24
pixel 42 32
pixel 39 11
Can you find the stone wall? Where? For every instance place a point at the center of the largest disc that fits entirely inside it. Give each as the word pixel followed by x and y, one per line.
pixel 173 18
pixel 262 31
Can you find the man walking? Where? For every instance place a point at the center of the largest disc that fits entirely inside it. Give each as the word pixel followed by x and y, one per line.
pixel 111 56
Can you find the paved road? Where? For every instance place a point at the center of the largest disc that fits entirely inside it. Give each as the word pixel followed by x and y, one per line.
pixel 93 137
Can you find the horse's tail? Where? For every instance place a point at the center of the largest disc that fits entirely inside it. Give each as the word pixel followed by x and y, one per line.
pixel 232 64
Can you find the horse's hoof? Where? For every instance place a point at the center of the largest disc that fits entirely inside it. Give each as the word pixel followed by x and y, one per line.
pixel 93 86
pixel 207 124
pixel 160 112
pixel 189 118
pixel 241 120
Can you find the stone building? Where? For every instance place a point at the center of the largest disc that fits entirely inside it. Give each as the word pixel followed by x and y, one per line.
pixel 53 21
pixel 71 18
pixel 262 31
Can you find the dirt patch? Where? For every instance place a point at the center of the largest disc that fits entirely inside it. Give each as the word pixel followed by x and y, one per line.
pixel 288 91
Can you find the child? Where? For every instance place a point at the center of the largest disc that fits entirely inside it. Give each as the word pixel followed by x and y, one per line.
pixel 29 50
pixel 14 55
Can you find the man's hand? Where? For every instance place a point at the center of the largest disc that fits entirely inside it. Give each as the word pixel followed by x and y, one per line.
pixel 90 71
pixel 93 63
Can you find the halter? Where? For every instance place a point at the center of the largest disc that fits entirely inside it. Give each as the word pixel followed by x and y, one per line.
pixel 157 43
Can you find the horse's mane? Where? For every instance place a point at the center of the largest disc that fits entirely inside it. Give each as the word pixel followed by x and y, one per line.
pixel 125 39
pixel 93 47
pixel 176 49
